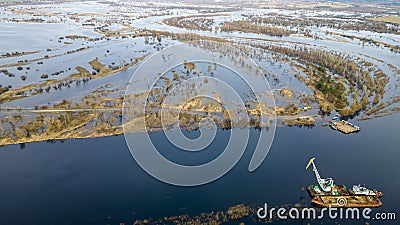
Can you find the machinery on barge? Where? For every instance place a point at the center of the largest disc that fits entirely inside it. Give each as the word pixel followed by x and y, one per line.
pixel 327 194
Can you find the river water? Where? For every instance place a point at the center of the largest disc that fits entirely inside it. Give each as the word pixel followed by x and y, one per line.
pixel 96 181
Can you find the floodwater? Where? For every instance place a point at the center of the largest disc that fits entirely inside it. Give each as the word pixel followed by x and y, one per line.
pixel 96 181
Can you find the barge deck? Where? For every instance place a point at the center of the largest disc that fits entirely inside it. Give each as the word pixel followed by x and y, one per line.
pixel 344 127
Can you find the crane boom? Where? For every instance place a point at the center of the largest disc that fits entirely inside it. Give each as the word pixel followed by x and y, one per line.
pixel 325 184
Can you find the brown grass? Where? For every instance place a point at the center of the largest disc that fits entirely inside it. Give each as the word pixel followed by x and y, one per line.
pixel 387 19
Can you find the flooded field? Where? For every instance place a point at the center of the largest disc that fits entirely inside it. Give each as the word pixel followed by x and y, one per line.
pixel 66 76
pixel 326 60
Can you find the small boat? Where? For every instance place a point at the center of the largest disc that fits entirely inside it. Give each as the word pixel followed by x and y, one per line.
pixel 359 190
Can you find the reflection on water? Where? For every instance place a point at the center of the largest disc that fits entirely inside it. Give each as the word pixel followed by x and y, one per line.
pixel 96 181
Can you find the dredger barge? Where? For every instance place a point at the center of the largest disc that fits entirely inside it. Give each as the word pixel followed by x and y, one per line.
pixel 328 194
